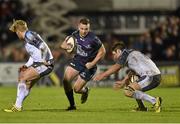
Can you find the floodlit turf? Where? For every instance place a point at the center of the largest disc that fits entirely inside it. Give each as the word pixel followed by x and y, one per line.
pixel 104 105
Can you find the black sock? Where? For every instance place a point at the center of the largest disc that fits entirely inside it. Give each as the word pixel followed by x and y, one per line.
pixel 70 97
pixel 140 103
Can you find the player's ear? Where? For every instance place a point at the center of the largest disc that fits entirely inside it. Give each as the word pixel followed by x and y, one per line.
pixel 78 26
pixel 117 50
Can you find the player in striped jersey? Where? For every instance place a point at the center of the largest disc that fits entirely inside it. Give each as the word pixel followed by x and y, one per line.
pixel 40 62
pixel 144 67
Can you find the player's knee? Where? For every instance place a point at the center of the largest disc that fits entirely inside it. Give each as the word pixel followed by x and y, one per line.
pixel 21 78
pixel 22 81
pixel 66 81
pixel 77 90
pixel 67 85
pixel 128 91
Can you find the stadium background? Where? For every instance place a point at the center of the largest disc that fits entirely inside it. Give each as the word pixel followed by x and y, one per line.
pixel 150 26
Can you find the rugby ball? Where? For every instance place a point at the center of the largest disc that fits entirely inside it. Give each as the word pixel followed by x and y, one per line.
pixel 71 42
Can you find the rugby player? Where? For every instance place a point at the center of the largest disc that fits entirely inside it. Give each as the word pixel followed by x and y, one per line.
pixel 82 67
pixel 144 67
pixel 40 62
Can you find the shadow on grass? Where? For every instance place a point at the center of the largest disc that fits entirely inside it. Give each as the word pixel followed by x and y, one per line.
pixel 78 110
pixel 45 110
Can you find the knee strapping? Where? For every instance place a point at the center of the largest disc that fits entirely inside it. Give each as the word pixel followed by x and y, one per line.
pixel 129 91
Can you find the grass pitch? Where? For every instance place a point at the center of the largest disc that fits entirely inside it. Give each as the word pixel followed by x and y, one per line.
pixel 47 104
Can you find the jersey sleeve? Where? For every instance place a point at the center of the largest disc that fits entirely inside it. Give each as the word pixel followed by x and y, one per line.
pixel 29 62
pixel 75 34
pixel 98 42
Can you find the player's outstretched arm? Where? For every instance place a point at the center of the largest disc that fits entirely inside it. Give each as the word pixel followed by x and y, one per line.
pixel 114 68
pixel 121 83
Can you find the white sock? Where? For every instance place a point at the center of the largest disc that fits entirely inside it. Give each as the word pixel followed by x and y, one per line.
pixel 143 96
pixel 22 92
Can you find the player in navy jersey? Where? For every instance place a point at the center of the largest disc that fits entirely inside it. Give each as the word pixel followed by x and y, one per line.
pixel 40 62
pixel 89 50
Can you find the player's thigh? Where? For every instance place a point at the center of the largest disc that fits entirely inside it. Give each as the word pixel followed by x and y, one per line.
pixel 79 84
pixel 29 75
pixel 70 73
pixel 21 74
pixel 151 82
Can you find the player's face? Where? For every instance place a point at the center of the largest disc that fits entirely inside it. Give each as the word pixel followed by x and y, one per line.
pixel 116 54
pixel 83 29
pixel 19 34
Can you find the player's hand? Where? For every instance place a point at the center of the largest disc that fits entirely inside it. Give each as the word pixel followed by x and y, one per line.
pixel 23 68
pixel 118 85
pixel 98 77
pixel 89 65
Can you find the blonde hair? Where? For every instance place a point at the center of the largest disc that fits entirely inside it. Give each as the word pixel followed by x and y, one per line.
pixel 18 25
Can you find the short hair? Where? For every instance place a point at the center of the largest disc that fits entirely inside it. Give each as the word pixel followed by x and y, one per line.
pixel 18 25
pixel 118 45
pixel 84 21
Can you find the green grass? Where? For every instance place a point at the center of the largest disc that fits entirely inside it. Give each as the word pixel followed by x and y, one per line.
pixel 103 105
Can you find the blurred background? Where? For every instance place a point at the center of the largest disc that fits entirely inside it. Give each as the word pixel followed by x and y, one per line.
pixel 150 26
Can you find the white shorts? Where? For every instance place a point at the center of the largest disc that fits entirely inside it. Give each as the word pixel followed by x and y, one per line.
pixel 42 69
pixel 144 81
pixel 149 82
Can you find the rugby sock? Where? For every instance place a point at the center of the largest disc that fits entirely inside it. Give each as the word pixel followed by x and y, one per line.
pixel 70 97
pixel 140 103
pixel 143 96
pixel 22 92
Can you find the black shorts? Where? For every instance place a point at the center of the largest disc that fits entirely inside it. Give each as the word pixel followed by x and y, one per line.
pixel 85 74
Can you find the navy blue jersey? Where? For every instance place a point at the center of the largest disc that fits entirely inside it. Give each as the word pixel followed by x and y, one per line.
pixel 87 47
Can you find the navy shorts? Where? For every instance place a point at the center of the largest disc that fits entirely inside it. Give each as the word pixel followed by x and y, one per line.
pixel 85 74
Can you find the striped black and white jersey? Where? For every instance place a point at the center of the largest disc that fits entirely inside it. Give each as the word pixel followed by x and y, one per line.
pixel 37 49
